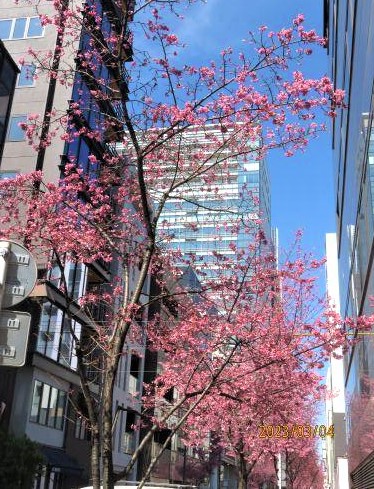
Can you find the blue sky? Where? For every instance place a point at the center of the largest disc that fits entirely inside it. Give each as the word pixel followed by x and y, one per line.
pixel 302 186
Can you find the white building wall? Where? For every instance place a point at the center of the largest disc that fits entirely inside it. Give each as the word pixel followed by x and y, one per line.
pixel 342 473
pixel 337 467
pixel 337 368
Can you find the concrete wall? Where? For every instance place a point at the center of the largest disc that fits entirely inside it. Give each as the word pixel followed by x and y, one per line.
pixel 20 156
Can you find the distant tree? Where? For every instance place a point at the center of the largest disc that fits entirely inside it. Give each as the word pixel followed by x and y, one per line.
pixel 263 472
pixel 19 461
pixel 110 207
pixel 304 471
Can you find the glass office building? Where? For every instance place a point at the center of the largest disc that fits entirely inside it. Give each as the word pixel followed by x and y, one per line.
pixel 349 28
pixel 203 218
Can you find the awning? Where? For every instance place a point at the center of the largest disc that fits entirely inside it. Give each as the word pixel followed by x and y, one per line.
pixel 58 459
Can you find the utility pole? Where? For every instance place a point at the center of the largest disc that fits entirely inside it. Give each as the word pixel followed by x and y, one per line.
pixel 281 471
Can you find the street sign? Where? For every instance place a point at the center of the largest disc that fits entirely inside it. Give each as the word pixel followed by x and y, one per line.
pixel 20 273
pixel 14 335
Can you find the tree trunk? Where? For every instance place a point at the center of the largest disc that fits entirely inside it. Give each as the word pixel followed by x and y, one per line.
pixel 242 473
pixel 107 425
pixel 95 458
pixel 93 418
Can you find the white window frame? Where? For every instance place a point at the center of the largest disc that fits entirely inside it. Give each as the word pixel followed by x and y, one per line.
pixel 27 25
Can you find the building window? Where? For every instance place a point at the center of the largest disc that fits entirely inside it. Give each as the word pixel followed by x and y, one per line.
pixel 15 133
pixel 161 436
pixel 55 337
pixel 129 436
pixel 81 429
pixel 5 175
pixel 48 405
pixel 121 372
pixel 47 477
pixel 26 76
pixel 5 28
pixel 134 377
pixel 34 28
pixel 75 276
pixel 21 28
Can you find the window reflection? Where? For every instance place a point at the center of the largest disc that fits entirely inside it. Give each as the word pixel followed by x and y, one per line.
pixel 48 405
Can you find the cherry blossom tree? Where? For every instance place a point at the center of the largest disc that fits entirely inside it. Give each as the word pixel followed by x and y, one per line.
pixel 264 471
pixel 265 401
pixel 304 471
pixel 302 468
pixel 253 322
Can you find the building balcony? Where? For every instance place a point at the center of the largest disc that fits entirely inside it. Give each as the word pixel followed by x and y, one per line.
pixel 178 467
pixel 44 289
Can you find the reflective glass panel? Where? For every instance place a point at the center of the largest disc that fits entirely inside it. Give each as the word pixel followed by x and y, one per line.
pixel 19 28
pixel 26 76
pixel 35 28
pixel 15 133
pixel 5 28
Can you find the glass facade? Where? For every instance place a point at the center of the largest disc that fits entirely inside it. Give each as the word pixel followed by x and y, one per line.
pixel 96 111
pixel 351 38
pixel 204 222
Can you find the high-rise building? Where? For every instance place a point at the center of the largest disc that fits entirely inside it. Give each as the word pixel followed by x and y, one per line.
pixel 43 399
pixel 349 28
pixel 220 213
